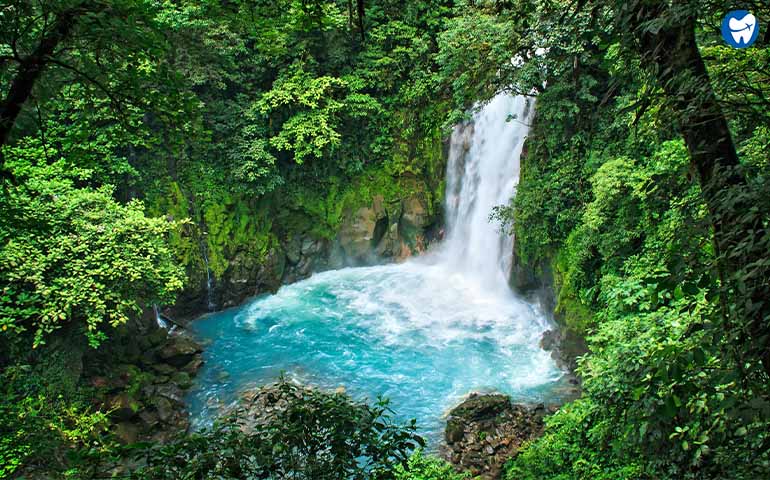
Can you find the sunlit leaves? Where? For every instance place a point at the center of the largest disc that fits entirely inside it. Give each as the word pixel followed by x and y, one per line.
pixel 75 255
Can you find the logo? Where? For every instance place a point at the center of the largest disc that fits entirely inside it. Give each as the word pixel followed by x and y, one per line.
pixel 740 29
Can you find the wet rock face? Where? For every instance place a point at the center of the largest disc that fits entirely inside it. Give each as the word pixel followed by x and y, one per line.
pixel 385 230
pixel 145 397
pixel 304 255
pixel 565 347
pixel 246 276
pixel 357 233
pixel 486 430
pixel 178 351
pixel 374 230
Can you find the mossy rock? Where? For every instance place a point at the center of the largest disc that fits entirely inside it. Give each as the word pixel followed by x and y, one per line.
pixel 182 380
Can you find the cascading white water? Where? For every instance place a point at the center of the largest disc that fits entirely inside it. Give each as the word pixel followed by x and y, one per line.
pixel 424 332
pixel 159 318
pixel 482 173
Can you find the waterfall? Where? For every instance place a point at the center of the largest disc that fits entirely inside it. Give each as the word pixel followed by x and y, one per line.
pixel 159 318
pixel 210 305
pixel 423 332
pixel 482 173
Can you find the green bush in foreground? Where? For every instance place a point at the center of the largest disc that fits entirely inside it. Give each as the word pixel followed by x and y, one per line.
pixel 317 436
pixel 422 467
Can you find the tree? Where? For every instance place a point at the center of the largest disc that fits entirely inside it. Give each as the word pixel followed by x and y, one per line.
pixel 75 256
pixel 310 434
pixel 31 66
pixel 113 47
pixel 664 36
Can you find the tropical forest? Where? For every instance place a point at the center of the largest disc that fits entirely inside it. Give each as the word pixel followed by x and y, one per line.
pixel 384 240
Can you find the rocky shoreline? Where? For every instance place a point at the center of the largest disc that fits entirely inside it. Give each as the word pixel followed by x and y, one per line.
pixel 145 395
pixel 486 430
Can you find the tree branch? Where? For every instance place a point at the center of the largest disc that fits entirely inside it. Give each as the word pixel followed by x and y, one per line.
pixel 30 69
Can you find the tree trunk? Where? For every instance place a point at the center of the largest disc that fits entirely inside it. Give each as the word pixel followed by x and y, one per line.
pixel 29 71
pixel 673 54
pixel 361 10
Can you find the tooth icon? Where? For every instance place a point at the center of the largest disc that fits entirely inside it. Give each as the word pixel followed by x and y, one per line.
pixel 742 30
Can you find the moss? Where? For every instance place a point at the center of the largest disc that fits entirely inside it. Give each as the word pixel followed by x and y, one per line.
pixel 570 310
pixel 319 212
pixel 170 200
pixel 235 224
pixel 224 224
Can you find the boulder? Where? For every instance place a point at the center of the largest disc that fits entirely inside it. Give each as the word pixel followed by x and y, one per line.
pixel 264 404
pixel 126 432
pixel 357 232
pixel 486 430
pixel 122 406
pixel 194 365
pixel 163 368
pixel 182 380
pixel 565 347
pixel 293 250
pixel 149 418
pixel 270 271
pixel 164 408
pixel 170 392
pixel 179 350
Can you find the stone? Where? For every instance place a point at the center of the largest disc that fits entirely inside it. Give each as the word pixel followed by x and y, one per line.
pixel 164 408
pixel 357 232
pixel 126 432
pixel 311 246
pixel 122 406
pixel 179 350
pixel 479 407
pixel 565 347
pixel 390 243
pixel 182 380
pixel 415 212
pixel 149 418
pixel 163 368
pixel 293 250
pixel 193 365
pixel 454 431
pixel 550 340
pixel 170 392
pixel 148 358
pixel 270 271
pixel 485 430
pixel 265 404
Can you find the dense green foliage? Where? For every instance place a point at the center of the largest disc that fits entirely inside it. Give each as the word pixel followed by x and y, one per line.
pixel 422 467
pixel 146 145
pixel 201 107
pixel 317 435
pixel 44 412
pixel 674 385
pixel 53 232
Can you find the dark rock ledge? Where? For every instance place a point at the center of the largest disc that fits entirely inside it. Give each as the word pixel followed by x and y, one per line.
pixel 486 430
pixel 145 396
